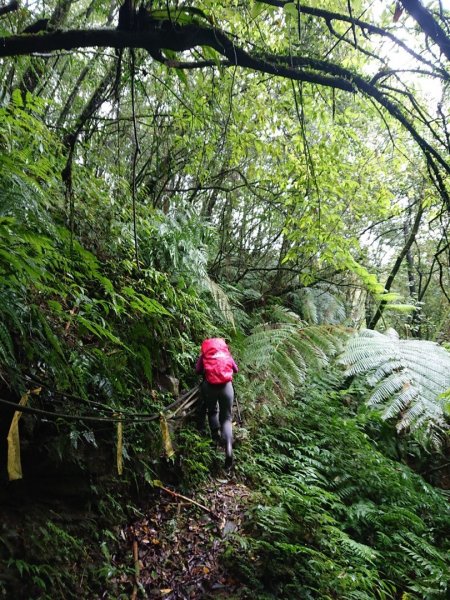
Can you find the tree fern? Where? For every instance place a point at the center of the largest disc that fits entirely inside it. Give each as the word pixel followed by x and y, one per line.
pixel 408 377
pixel 281 353
pixel 319 305
pixel 361 526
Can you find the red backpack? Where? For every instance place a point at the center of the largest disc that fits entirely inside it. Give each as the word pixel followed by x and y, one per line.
pixel 217 361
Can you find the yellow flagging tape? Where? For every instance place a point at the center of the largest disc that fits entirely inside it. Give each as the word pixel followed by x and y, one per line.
pixel 14 462
pixel 167 442
pixel 119 448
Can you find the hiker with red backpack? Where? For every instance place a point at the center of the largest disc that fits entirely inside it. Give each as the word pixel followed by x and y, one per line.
pixel 217 393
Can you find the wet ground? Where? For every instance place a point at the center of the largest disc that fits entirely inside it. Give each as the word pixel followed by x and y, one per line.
pixel 176 550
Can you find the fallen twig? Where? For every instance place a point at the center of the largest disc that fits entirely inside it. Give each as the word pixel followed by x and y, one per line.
pixel 176 495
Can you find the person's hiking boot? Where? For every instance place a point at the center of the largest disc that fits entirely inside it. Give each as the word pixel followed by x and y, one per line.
pixel 228 462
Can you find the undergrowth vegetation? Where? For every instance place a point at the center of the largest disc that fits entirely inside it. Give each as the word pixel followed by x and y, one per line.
pixel 334 516
pixel 90 334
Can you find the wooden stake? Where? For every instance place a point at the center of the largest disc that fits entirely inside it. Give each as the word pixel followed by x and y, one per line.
pixel 137 569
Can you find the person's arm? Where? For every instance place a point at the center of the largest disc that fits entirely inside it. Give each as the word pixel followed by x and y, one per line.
pixel 235 367
pixel 199 365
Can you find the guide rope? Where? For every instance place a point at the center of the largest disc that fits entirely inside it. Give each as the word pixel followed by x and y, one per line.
pixel 183 404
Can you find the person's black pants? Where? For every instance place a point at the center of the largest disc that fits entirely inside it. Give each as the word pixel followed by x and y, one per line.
pixel 217 401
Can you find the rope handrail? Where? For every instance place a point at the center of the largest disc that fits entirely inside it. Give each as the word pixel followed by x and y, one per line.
pixel 103 406
pixel 184 401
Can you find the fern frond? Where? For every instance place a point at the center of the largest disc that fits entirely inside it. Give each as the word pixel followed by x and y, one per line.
pixel 319 305
pixel 221 299
pixel 408 376
pixel 282 353
pixel 390 385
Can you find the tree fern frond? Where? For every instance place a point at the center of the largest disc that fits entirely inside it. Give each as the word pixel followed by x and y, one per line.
pixel 408 376
pixel 383 370
pixel 320 305
pixel 393 383
pixel 281 314
pixel 399 403
pixel 309 306
pixel 319 337
pixel 221 299
pixel 282 353
pixel 391 333
pixel 311 355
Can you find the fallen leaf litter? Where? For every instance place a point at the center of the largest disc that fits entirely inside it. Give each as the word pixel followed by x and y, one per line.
pixel 179 546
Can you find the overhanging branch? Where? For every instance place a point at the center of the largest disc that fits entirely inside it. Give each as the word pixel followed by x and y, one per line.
pixel 11 7
pixel 428 24
pixel 366 27
pixel 179 38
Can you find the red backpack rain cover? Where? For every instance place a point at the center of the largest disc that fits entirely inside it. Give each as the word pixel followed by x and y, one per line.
pixel 217 361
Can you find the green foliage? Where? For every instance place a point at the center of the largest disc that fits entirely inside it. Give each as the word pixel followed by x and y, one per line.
pixel 333 517
pixel 87 326
pixel 48 563
pixel 196 457
pixel 63 292
pixel 408 377
pixel 29 162
pixel 319 305
pixel 60 558
pixel 280 353
pixel 247 188
pixel 177 243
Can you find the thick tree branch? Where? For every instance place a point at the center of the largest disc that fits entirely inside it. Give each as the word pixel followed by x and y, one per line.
pixel 428 24
pixel 11 7
pixel 168 35
pixel 165 35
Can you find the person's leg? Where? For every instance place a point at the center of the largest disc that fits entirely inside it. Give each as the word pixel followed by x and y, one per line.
pixel 209 393
pixel 226 397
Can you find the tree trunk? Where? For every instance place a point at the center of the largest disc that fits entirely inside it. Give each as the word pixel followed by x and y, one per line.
pixel 395 269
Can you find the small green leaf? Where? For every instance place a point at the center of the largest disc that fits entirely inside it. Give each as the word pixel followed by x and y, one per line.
pixel 291 9
pixel 181 75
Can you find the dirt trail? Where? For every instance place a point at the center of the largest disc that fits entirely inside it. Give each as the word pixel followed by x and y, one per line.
pixel 177 545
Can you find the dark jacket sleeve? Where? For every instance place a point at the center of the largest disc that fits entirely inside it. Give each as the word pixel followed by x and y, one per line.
pixel 199 365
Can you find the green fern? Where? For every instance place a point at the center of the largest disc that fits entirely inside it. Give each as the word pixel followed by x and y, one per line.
pixel 7 355
pixel 221 299
pixel 333 516
pixel 408 377
pixel 281 353
pixel 319 305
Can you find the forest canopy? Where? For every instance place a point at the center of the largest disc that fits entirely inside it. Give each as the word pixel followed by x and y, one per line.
pixel 317 70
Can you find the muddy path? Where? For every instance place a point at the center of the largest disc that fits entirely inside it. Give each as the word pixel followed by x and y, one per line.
pixel 175 551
